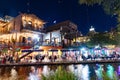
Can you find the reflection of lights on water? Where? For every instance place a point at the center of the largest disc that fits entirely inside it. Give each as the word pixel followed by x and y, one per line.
pixel 71 68
pixel 118 72
pixel 78 71
pixel 99 71
pixel 82 72
pixel 33 75
pixel 45 71
pixel 110 71
pixel 14 74
pixel 85 73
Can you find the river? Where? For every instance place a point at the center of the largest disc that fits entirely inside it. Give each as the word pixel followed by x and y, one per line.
pixel 81 72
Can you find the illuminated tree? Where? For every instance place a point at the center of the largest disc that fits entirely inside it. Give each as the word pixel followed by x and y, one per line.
pixel 101 39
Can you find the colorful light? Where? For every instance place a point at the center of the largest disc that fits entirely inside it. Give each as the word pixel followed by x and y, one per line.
pixel 99 71
pixel 110 71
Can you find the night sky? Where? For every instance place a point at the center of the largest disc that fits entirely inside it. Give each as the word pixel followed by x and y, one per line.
pixel 61 10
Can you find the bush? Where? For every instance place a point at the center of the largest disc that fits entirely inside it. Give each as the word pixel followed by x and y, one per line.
pixel 60 74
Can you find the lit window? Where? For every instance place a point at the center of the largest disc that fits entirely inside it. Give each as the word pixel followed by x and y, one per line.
pixel 47 41
pixel 24 23
pixel 29 22
pixel 35 26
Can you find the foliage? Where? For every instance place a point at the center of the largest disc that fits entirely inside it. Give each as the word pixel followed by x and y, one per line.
pixel 90 2
pixel 106 77
pixel 17 49
pixel 60 74
pixel 4 50
pixel 110 6
pixel 101 39
pixel 117 38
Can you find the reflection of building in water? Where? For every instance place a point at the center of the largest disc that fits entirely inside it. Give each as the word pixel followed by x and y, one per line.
pixel 85 75
pixel 80 71
pixel 118 70
pixel 99 72
pixel 110 72
pixel 14 74
pixel 71 68
pixel 33 75
pixel 46 71
pixel 25 28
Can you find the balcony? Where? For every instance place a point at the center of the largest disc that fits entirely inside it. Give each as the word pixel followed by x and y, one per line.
pixel 51 44
pixel 29 27
pixel 37 45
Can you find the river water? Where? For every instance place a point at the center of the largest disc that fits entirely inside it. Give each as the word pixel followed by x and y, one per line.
pixel 82 72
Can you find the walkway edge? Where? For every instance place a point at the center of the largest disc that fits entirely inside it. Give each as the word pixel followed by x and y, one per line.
pixel 60 63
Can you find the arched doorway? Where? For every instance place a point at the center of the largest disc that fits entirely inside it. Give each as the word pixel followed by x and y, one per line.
pixel 22 39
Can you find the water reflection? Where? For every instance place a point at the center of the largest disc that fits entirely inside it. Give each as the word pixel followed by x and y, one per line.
pixel 81 72
pixel 99 71
pixel 14 74
pixel 33 75
pixel 118 72
pixel 46 71
pixel 85 73
pixel 110 72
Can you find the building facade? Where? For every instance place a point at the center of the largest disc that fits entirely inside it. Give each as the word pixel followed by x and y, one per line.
pixel 24 29
pixel 28 29
pixel 61 34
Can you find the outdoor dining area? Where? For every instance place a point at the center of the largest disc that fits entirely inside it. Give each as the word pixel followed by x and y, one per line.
pixel 72 54
pixel 60 55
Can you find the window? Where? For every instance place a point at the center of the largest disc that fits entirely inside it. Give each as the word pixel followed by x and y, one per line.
pixel 29 22
pixel 47 41
pixel 36 26
pixel 24 23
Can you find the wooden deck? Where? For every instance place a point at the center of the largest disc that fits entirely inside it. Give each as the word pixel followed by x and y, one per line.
pixel 60 63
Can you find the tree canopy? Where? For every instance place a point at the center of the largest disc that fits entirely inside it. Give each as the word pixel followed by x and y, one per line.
pixel 111 7
pixel 101 39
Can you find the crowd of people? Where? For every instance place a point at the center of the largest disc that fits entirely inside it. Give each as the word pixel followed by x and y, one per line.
pixel 7 58
pixel 55 57
pixel 71 56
